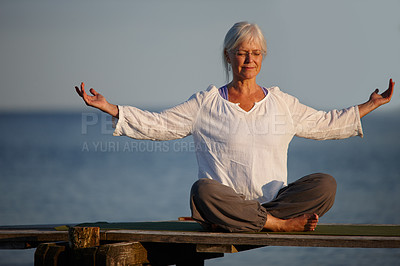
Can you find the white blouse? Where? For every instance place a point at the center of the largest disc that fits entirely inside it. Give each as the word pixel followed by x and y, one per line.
pixel 244 150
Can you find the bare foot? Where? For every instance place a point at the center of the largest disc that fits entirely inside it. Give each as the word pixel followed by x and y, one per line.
pixel 305 222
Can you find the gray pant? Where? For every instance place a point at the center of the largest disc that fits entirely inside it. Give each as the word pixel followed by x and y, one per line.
pixel 213 203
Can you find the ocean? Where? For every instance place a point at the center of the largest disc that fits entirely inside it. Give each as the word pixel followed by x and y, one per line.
pixel 60 168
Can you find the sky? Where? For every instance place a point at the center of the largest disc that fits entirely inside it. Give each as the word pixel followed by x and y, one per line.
pixel 150 54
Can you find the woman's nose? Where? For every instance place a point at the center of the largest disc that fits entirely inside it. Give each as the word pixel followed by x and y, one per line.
pixel 249 58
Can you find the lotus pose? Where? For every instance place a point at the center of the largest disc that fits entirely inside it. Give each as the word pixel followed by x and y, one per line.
pixel 241 132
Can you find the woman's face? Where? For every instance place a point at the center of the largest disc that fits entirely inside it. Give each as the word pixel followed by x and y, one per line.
pixel 245 60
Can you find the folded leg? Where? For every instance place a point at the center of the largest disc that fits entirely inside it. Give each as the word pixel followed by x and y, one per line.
pixel 213 203
pixel 313 193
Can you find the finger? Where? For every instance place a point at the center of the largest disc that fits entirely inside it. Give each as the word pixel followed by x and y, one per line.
pixel 78 91
pixel 389 92
pixel 84 94
pixel 391 83
pixel 92 91
pixel 83 88
pixel 391 86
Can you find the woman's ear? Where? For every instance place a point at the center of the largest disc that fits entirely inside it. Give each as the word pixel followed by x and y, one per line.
pixel 227 57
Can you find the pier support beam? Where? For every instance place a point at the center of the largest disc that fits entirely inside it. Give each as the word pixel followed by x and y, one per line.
pixel 51 254
pixel 84 249
pixel 84 237
pixel 124 253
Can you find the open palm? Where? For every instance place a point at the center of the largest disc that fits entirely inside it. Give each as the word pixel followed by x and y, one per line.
pixel 97 100
pixel 380 99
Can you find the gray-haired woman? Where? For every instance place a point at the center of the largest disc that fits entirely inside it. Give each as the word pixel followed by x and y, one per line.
pixel 241 133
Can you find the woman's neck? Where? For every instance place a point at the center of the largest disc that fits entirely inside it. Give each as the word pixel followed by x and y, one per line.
pixel 243 87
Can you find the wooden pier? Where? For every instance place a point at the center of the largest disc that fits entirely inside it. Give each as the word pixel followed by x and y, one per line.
pixel 174 242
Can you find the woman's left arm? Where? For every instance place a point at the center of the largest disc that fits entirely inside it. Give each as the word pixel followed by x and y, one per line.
pixel 376 100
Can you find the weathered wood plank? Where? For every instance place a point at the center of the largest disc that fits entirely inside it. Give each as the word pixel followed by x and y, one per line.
pixel 32 238
pixel 29 238
pixel 254 239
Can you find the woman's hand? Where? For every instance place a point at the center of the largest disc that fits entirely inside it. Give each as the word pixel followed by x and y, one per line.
pixel 97 100
pixel 380 99
pixel 376 100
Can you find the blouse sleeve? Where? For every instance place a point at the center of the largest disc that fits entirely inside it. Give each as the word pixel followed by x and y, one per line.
pixel 321 125
pixel 173 123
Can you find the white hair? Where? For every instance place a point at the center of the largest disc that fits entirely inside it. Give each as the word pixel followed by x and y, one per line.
pixel 240 32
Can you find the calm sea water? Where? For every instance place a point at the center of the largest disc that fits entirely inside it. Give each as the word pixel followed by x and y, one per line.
pixel 68 168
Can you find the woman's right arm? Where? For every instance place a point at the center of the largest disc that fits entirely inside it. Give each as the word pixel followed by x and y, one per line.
pixel 172 123
pixel 97 101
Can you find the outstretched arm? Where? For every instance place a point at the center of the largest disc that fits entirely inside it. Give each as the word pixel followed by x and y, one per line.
pixel 97 101
pixel 376 100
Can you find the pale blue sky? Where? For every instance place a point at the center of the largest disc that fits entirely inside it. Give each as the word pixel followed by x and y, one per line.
pixel 329 54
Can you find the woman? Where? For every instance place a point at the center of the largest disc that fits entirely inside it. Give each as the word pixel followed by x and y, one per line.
pixel 241 133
